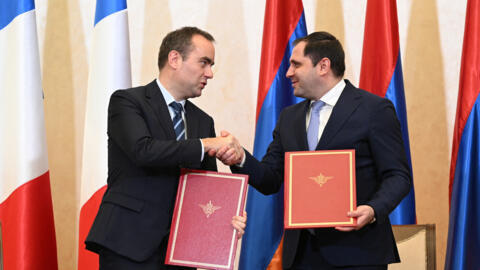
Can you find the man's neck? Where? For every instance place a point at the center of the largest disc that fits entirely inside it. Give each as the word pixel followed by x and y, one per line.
pixel 165 80
pixel 325 88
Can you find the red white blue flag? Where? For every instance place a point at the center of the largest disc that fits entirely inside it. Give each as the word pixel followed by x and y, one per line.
pixel 109 71
pixel 26 212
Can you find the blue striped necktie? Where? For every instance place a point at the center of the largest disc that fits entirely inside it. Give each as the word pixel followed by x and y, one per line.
pixel 312 131
pixel 178 124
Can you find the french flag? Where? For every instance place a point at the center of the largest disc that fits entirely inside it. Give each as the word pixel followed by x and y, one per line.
pixel 463 244
pixel 284 23
pixel 381 74
pixel 26 212
pixel 109 70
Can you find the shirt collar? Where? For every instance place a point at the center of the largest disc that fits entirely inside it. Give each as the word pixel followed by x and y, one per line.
pixel 331 97
pixel 167 96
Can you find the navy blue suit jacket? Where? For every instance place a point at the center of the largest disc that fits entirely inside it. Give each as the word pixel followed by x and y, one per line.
pixel 144 161
pixel 360 121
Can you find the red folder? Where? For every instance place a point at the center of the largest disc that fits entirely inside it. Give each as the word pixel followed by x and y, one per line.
pixel 319 189
pixel 201 234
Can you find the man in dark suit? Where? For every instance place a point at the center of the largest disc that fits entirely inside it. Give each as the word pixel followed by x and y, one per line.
pixel 336 115
pixel 153 131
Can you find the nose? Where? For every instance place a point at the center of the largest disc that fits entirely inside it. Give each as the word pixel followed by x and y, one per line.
pixel 209 72
pixel 289 72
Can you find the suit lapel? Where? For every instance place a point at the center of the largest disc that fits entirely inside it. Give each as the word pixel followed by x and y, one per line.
pixel 299 126
pixel 346 105
pixel 156 101
pixel 192 120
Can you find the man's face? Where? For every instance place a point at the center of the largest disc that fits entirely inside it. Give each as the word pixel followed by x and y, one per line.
pixel 196 68
pixel 302 73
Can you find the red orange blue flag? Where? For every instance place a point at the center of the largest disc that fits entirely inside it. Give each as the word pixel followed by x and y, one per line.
pixel 381 74
pixel 463 244
pixel 284 22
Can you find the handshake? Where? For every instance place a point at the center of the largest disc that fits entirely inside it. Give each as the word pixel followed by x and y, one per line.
pixel 225 147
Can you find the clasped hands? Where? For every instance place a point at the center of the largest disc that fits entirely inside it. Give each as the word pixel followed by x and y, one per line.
pixel 225 147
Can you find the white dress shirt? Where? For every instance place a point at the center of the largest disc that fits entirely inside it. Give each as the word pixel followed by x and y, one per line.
pixel 330 99
pixel 169 99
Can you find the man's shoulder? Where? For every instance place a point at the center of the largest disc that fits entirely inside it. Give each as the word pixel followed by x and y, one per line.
pixel 295 107
pixel 190 107
pixel 365 95
pixel 136 92
pixel 139 89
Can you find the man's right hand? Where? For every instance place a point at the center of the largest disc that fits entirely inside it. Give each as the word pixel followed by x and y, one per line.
pixel 233 155
pixel 226 148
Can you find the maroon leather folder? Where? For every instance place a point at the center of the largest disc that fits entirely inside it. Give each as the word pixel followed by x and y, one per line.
pixel 319 189
pixel 201 234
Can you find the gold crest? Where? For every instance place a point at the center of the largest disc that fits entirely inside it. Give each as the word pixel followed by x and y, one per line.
pixel 209 208
pixel 321 179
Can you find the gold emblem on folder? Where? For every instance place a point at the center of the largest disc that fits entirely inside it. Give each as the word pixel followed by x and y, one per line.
pixel 209 208
pixel 321 179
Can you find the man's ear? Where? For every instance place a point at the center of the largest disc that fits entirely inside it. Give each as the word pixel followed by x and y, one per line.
pixel 174 59
pixel 323 66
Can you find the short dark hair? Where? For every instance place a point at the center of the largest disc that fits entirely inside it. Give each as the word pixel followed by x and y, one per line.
pixel 180 40
pixel 323 44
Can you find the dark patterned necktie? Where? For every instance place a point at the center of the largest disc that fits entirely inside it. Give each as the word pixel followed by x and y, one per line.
pixel 178 124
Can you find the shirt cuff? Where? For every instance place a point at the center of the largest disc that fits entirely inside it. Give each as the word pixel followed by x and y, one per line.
pixel 203 151
pixel 240 165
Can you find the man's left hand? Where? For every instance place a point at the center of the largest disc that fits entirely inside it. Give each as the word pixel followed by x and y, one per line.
pixel 364 214
pixel 239 223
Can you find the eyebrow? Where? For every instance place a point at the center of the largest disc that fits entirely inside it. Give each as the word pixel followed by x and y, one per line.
pixel 294 62
pixel 208 60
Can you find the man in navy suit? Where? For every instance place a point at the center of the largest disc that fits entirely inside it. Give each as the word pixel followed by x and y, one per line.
pixel 153 131
pixel 335 115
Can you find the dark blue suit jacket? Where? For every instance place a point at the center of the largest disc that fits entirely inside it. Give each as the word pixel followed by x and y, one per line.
pixel 360 121
pixel 144 161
